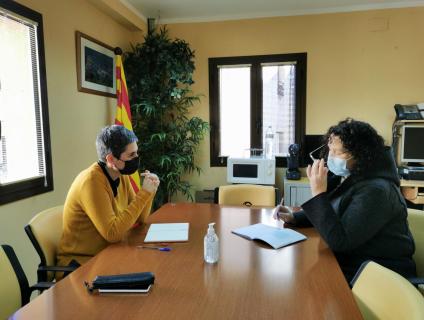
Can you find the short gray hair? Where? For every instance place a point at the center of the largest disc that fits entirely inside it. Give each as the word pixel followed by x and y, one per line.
pixel 113 139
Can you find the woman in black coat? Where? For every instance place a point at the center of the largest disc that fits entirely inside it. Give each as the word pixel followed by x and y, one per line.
pixel 357 208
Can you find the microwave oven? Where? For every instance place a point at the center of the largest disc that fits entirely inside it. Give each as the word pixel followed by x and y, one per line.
pixel 254 170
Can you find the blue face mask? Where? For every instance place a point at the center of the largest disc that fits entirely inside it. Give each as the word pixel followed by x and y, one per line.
pixel 338 166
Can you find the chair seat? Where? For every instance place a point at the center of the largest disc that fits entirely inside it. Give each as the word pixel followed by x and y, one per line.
pixel 14 289
pixel 416 225
pixel 247 195
pixel 383 294
pixel 45 230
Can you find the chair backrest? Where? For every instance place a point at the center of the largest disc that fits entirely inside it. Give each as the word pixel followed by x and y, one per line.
pixel 45 231
pixel 247 195
pixel 416 225
pixel 14 288
pixel 383 294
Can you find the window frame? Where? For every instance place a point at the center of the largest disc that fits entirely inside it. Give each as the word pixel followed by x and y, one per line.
pixel 256 121
pixel 23 189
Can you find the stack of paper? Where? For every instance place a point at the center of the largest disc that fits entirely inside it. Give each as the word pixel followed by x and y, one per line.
pixel 167 232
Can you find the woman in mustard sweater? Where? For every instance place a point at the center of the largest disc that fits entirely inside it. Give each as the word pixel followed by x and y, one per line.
pixel 101 205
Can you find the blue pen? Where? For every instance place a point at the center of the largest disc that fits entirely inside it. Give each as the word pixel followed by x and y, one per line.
pixel 155 248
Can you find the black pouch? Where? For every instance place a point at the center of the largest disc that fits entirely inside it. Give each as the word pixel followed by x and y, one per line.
pixel 130 282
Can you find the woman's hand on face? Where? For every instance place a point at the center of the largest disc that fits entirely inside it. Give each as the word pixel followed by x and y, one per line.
pixel 317 175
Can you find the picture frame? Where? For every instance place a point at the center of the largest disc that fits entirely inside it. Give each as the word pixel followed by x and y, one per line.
pixel 96 66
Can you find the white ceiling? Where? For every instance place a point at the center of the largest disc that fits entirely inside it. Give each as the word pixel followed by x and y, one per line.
pixel 177 11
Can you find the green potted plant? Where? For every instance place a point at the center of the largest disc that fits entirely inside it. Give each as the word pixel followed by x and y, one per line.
pixel 159 75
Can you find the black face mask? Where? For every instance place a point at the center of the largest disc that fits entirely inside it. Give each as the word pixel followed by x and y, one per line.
pixel 131 166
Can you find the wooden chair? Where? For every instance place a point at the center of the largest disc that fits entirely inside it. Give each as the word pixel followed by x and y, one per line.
pixel 383 294
pixel 246 195
pixel 45 230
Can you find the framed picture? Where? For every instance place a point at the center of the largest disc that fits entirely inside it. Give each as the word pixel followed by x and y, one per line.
pixel 95 66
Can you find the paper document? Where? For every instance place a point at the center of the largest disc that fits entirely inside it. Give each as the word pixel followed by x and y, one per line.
pixel 167 232
pixel 275 237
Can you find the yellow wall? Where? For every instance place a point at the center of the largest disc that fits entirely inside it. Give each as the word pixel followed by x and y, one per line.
pixel 359 65
pixel 75 117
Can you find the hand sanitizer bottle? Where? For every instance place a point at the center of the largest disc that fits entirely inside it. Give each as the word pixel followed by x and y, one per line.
pixel 211 245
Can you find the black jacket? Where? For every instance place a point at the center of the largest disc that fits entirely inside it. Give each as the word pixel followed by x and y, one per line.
pixel 364 218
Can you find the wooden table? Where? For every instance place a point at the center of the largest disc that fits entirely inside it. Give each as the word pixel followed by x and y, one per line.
pixel 250 281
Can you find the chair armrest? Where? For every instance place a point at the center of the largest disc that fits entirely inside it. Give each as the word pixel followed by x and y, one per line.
pixel 41 286
pixel 57 268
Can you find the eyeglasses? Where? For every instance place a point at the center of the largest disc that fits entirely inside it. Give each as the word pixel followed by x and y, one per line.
pixel 313 151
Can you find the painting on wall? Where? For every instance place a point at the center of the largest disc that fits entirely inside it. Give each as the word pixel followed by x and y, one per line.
pixel 95 66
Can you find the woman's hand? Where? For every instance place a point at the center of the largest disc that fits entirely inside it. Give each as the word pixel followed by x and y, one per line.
pixel 150 182
pixel 317 175
pixel 283 213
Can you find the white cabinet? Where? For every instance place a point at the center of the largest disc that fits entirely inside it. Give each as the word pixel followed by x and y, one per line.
pixel 296 192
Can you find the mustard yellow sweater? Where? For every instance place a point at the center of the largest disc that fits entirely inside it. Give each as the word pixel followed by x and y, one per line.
pixel 93 217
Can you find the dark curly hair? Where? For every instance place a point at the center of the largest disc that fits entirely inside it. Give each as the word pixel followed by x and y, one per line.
pixel 361 140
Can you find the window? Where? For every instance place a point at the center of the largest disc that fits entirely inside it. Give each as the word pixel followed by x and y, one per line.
pixel 25 158
pixel 250 94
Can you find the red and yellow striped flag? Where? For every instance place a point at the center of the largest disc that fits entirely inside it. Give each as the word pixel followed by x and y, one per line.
pixel 123 110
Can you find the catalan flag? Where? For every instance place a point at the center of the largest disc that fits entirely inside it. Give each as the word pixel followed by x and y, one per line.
pixel 123 110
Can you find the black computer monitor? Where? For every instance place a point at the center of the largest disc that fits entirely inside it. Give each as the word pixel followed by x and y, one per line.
pixel 412 149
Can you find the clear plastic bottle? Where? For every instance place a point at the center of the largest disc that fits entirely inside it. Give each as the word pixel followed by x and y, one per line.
pixel 211 245
pixel 269 143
